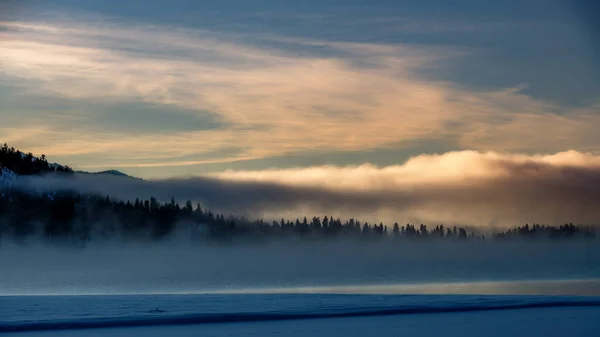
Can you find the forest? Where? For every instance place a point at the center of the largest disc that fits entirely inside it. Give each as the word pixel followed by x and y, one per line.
pixel 79 218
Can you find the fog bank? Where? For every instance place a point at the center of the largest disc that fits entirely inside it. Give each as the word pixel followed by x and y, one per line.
pixel 183 268
pixel 466 187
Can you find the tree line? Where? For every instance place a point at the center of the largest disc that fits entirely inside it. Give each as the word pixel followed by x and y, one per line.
pixel 81 218
pixel 27 164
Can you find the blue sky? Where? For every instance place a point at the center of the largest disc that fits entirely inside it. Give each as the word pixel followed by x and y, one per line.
pixel 168 88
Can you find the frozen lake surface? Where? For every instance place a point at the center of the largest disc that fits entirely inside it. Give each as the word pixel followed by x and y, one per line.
pixel 551 322
pixel 299 314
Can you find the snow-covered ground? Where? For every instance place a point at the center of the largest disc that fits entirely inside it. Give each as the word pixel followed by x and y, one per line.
pixel 573 322
pixel 299 315
pixel 546 322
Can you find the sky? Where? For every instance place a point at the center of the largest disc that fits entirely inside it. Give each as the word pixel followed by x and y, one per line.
pixel 172 88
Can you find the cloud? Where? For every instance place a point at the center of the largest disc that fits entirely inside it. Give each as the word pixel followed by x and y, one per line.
pixel 275 100
pixel 466 187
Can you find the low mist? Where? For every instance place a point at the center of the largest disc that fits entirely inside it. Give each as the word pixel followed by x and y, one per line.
pixel 173 267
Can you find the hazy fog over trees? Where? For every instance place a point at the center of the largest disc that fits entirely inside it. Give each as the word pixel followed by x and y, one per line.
pixel 78 218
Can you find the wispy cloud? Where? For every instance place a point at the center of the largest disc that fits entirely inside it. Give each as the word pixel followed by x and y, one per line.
pixel 357 96
pixel 467 187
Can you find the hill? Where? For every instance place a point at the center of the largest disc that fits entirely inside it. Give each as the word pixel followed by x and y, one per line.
pixel 27 164
pixel 115 173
